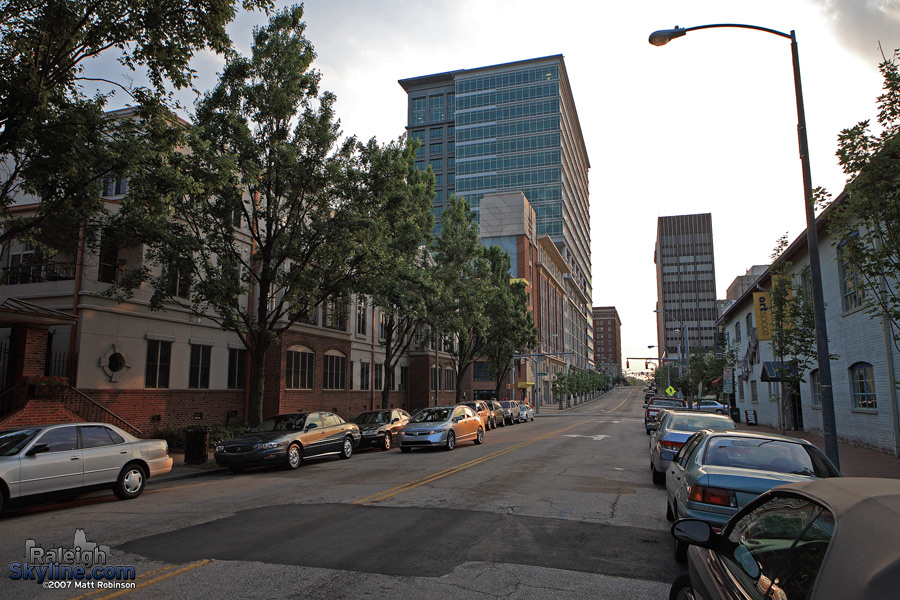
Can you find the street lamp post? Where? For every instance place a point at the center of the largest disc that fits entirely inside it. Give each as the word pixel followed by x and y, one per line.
pixel 662 37
pixel 684 338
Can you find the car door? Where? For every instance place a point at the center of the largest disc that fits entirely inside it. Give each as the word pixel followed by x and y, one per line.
pixel 104 453
pixel 675 481
pixel 334 432
pixel 58 468
pixel 314 435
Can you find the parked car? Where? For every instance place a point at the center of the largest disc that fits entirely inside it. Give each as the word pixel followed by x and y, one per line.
pixel 497 413
pixel 526 413
pixel 288 439
pixel 711 406
pixel 480 408
pixel 441 426
pixel 73 458
pixel 827 539
pixel 673 427
pixel 379 427
pixel 716 473
pixel 653 405
pixel 510 411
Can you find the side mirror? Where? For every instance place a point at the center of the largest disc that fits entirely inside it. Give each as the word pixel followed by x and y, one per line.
pixel 38 449
pixel 311 426
pixel 645 406
pixel 395 420
pixel 692 531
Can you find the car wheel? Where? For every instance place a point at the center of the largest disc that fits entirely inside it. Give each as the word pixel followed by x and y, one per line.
pixel 658 477
pixel 493 424
pixel 130 483
pixel 479 437
pixel 503 422
pixel 294 457
pixel 404 450
pixel 2 500
pixel 347 449
pixel 670 516
pixel 451 441
pixel 386 442
pixel 681 589
pixel 681 551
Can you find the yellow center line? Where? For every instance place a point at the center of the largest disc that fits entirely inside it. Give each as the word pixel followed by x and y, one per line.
pixel 138 578
pixel 441 474
pixel 184 569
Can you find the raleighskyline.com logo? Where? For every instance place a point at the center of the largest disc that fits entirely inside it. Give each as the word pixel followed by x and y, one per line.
pixel 81 566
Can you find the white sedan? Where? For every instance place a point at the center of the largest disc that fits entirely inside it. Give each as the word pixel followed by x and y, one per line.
pixel 711 406
pixel 73 458
pixel 526 413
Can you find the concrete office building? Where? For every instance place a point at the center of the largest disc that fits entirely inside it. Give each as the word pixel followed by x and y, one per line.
pixel 685 283
pixel 513 127
pixel 607 340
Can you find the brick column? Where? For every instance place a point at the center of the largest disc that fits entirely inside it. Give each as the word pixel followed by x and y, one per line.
pixel 29 347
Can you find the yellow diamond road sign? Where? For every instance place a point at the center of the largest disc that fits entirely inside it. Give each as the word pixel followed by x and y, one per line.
pixel 670 390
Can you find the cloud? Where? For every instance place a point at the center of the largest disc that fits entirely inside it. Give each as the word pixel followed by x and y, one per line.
pixel 860 24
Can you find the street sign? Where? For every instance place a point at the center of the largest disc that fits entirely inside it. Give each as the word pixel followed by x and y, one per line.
pixel 541 374
pixel 671 391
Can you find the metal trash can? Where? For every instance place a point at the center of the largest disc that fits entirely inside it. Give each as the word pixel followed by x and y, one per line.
pixel 196 445
pixel 735 414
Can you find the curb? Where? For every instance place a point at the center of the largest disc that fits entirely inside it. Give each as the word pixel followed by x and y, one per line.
pixel 189 475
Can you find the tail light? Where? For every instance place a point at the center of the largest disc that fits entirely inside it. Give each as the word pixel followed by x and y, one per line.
pixel 670 445
pixel 713 496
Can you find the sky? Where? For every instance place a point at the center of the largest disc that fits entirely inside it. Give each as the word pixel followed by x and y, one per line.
pixel 707 123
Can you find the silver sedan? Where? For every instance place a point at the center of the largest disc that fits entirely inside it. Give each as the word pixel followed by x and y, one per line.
pixel 73 458
pixel 441 426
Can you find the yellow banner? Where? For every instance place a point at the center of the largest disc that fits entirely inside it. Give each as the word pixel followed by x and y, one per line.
pixel 762 310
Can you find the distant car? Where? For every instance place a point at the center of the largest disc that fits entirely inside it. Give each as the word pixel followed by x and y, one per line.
pixel 653 406
pixel 441 426
pixel 288 439
pixel 73 458
pixel 526 413
pixel 831 539
pixel 496 412
pixel 480 408
pixel 379 427
pixel 510 411
pixel 711 406
pixel 716 473
pixel 673 427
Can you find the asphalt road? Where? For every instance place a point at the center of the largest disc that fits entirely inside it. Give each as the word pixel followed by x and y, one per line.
pixel 562 507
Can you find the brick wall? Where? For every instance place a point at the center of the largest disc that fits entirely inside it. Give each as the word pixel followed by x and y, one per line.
pixel 38 411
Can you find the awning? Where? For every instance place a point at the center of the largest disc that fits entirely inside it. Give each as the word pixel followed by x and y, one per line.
pixel 18 312
pixel 525 384
pixel 771 370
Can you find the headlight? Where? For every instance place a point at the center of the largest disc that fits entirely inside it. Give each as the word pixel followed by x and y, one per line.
pixel 267 445
pixel 220 448
pixel 442 429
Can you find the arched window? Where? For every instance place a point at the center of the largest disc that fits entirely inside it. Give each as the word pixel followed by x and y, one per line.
pixel 815 388
pixel 862 386
pixel 300 368
pixel 335 371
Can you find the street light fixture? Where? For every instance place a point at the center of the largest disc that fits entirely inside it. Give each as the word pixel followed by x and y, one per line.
pixel 664 36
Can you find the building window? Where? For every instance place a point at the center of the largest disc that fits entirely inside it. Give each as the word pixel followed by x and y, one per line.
pixel 108 258
pixel 740 386
pixel 435 378
pixel 417 106
pixel 749 322
pixel 159 358
pixel 364 375
pixel 198 372
pixel 862 386
pixel 436 133
pixel 178 281
pixel 851 283
pixel 815 388
pixel 237 369
pixel 335 315
pixel 335 371
pixel 754 395
pixel 449 379
pixel 379 381
pixel 737 333
pixel 299 369
pixel 361 315
pixel 437 164
pixel 436 104
pixel 436 148
pixel 404 379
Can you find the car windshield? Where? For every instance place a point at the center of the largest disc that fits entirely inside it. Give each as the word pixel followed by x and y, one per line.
pixel 368 418
pixel 762 455
pixel 432 415
pixel 665 402
pixel 12 442
pixel 698 422
pixel 280 423
pixel 505 404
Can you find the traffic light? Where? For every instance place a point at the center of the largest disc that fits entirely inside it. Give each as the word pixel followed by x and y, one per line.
pixel 647 365
pixel 626 364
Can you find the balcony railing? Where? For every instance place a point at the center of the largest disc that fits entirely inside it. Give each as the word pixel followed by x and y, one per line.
pixel 37 273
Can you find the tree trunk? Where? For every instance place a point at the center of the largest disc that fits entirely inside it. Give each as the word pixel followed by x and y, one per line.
pixel 257 378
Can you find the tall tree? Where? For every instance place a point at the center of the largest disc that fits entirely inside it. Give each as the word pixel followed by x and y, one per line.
pixel 399 283
pixel 461 276
pixel 55 141
pixel 510 326
pixel 271 207
pixel 866 222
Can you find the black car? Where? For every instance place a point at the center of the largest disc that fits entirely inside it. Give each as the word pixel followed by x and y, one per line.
pixel 287 439
pixel 379 427
pixel 822 539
